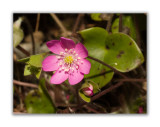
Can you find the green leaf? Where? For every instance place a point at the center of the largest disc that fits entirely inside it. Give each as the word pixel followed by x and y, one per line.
pixel 36 60
pixel 84 97
pixel 118 50
pixel 94 41
pixel 33 64
pixel 96 16
pixel 122 52
pixel 18 34
pixel 29 69
pixel 24 60
pixel 38 73
pixel 38 101
pixel 128 26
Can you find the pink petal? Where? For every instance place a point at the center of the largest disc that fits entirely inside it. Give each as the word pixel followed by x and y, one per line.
pixel 67 43
pixel 90 87
pixel 75 77
pixel 50 63
pixel 87 91
pixel 55 46
pixel 59 77
pixel 81 50
pixel 85 66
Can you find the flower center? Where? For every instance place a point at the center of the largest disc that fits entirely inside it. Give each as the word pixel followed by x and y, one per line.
pixel 68 59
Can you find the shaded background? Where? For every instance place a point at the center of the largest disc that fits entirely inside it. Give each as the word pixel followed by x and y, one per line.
pixel 125 99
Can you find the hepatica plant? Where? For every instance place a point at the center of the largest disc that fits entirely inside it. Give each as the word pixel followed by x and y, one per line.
pixel 68 63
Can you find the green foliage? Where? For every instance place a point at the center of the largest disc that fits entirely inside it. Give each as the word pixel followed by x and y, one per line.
pixel 33 64
pixel 24 59
pixel 128 26
pixel 118 50
pixel 136 104
pixel 94 41
pixel 96 16
pixel 123 52
pixel 36 60
pixel 84 97
pixel 18 34
pixel 38 101
pixel 29 69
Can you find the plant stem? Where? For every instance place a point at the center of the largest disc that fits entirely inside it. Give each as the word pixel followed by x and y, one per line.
pixel 106 91
pixel 25 84
pixel 56 19
pixel 23 50
pixel 92 109
pixel 100 94
pixel 107 66
pixel 131 80
pixel 77 22
pixel 109 23
pixel 116 71
pixel 37 23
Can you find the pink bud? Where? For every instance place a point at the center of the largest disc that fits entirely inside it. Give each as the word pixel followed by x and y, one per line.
pixel 140 110
pixel 88 91
pixel 67 97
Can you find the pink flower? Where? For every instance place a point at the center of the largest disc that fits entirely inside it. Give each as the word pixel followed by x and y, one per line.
pixel 88 91
pixel 70 63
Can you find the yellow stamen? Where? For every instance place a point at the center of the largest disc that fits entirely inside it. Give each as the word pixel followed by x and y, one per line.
pixel 68 59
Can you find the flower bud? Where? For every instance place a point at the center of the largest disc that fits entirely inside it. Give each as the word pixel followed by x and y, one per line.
pixel 140 110
pixel 88 91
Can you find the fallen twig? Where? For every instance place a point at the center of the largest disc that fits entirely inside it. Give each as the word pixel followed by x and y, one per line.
pixel 77 22
pixel 100 94
pixel 37 23
pixel 56 19
pixel 25 84
pixel 23 50
pixel 131 80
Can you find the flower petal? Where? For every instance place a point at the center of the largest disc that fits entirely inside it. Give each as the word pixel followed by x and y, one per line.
pixel 59 77
pixel 50 63
pixel 81 50
pixel 67 43
pixel 85 66
pixel 55 46
pixel 75 77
